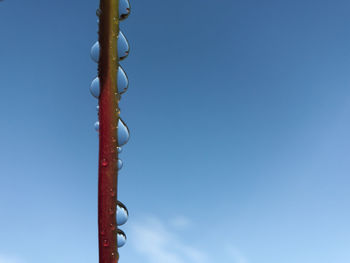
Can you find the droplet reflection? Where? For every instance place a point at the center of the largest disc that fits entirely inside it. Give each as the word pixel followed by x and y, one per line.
pixel 95 88
pixel 95 52
pixel 122 44
pixel 122 81
pixel 120 164
pixel 123 133
pixel 97 125
pixel 121 238
pixel 124 9
pixel 122 213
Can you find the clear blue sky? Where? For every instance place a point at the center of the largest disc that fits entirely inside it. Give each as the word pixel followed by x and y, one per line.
pixel 239 112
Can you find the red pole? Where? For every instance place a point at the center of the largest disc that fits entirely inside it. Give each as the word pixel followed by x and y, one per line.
pixel 108 119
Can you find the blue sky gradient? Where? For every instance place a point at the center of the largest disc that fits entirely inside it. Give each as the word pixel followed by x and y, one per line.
pixel 240 132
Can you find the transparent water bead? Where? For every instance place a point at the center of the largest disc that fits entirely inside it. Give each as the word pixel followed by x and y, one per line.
pixel 120 164
pixel 95 88
pixel 123 133
pixel 95 52
pixel 124 9
pixel 98 12
pixel 97 125
pixel 122 44
pixel 122 213
pixel 122 84
pixel 119 149
pixel 122 81
pixel 121 238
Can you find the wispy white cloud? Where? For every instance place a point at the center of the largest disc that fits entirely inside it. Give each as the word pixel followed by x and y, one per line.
pixel 8 259
pixel 180 222
pixel 154 239
pixel 235 255
pixel 158 242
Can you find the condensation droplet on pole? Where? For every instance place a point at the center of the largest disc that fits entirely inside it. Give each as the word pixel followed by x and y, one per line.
pixel 122 44
pixel 124 9
pixel 120 164
pixel 95 52
pixel 95 88
pixel 122 213
pixel 97 125
pixel 121 238
pixel 123 133
pixel 122 81
pixel 98 12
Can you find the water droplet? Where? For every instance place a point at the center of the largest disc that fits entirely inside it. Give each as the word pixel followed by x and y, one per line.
pixel 124 9
pixel 121 238
pixel 119 149
pixel 122 84
pixel 97 108
pixel 122 213
pixel 104 162
pixel 123 46
pixel 123 133
pixel 120 164
pixel 97 125
pixel 95 88
pixel 98 11
pixel 95 52
pixel 105 243
pixel 122 81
